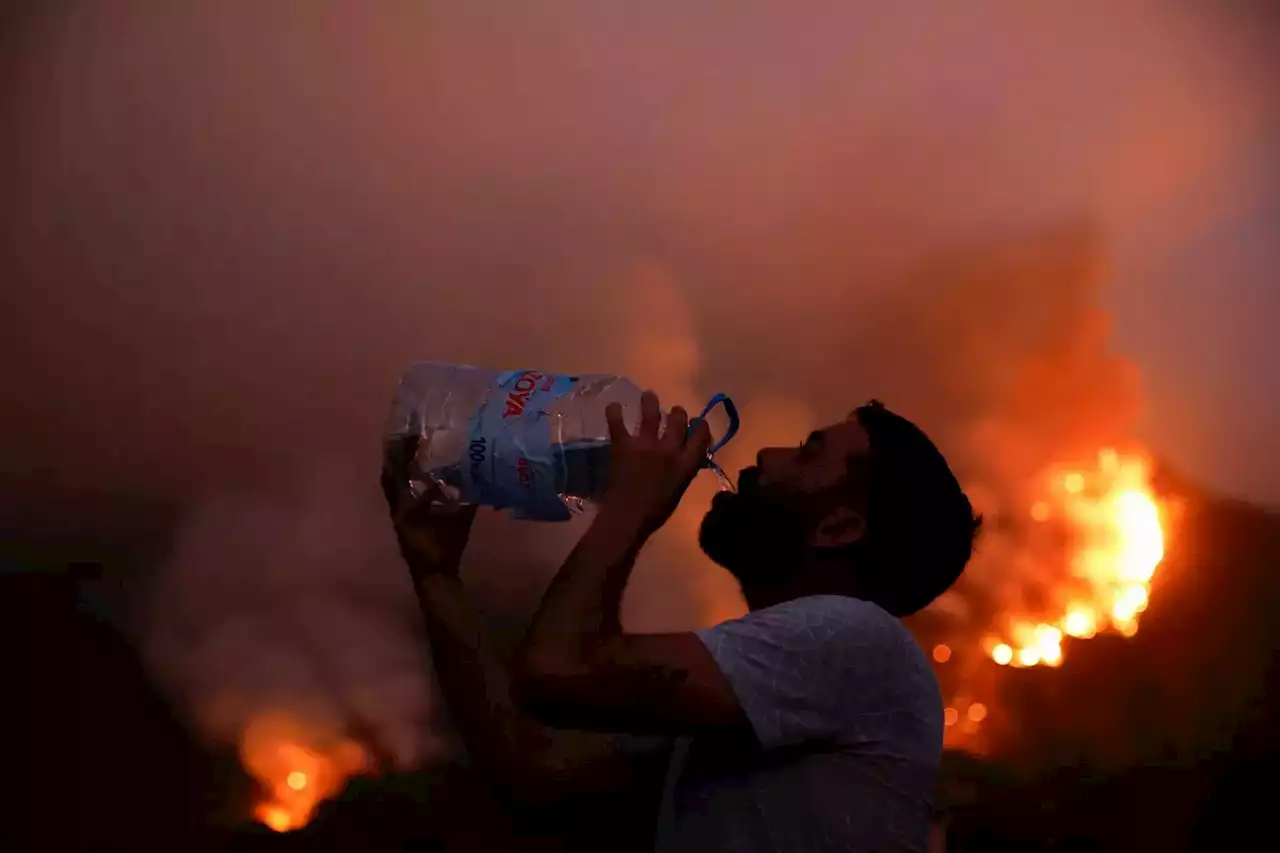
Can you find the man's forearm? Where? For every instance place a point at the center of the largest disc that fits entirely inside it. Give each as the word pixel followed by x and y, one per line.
pixel 503 742
pixel 582 605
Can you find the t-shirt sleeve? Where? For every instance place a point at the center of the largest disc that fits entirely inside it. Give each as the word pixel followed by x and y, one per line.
pixel 806 669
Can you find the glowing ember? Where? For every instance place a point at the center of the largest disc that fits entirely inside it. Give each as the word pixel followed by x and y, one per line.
pixel 1116 523
pixel 276 818
pixel 1080 622
pixel 298 768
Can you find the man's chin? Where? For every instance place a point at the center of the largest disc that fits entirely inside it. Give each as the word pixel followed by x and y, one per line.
pixel 722 536
pixel 750 539
pixel 714 534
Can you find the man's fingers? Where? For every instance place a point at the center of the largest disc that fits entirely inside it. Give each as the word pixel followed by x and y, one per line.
pixel 617 428
pixel 696 447
pixel 397 455
pixel 398 452
pixel 424 520
pixel 677 425
pixel 395 467
pixel 650 415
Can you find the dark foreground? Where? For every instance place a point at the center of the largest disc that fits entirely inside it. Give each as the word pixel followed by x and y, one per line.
pixel 94 758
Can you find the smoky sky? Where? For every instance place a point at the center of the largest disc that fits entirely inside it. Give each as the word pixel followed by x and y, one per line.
pixel 1031 227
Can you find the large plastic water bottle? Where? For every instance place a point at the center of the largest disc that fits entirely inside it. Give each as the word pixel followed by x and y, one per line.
pixel 531 441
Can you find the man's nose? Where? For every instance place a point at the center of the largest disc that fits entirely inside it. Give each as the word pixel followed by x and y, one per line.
pixel 766 460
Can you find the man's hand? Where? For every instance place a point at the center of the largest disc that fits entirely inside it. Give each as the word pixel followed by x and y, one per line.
pixel 530 766
pixel 577 668
pixel 649 472
pixel 432 536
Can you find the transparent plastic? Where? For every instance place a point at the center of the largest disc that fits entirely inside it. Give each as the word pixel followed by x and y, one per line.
pixel 452 409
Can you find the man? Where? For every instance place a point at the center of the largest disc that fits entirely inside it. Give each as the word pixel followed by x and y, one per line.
pixel 814 722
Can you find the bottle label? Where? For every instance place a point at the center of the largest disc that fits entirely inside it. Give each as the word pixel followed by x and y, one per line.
pixel 510 463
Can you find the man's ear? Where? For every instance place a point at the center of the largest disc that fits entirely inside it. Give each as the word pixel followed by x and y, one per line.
pixel 842 526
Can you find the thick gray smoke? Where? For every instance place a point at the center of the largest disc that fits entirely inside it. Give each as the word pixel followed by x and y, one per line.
pixel 237 222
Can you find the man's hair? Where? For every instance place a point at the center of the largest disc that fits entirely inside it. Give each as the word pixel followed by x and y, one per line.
pixel 920 526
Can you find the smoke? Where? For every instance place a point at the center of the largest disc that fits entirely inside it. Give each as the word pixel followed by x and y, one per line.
pixel 291 603
pixel 1005 353
pixel 236 223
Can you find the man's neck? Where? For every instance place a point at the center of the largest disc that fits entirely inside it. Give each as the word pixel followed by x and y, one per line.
pixel 814 580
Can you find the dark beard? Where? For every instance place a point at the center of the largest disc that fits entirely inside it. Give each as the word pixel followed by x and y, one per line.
pixel 758 540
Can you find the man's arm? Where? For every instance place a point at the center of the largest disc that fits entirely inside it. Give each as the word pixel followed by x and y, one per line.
pixel 578 668
pixel 530 764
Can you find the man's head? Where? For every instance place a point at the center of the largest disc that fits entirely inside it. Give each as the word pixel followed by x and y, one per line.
pixel 867 507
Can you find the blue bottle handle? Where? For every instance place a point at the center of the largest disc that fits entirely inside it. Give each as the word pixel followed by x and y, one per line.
pixel 730 411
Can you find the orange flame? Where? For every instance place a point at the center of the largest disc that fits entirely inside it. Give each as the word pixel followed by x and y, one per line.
pixel 297 767
pixel 1116 522
pixel 1115 529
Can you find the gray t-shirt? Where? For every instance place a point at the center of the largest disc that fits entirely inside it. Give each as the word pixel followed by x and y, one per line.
pixel 847 719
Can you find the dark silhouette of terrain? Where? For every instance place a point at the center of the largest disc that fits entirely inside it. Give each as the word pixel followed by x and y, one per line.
pixel 1158 742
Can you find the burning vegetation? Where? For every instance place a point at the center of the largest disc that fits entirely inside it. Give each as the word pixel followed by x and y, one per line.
pixel 1093 541
pixel 297 769
pixel 1115 523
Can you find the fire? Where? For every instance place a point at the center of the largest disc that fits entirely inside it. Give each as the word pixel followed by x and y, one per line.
pixel 297 767
pixel 1115 522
